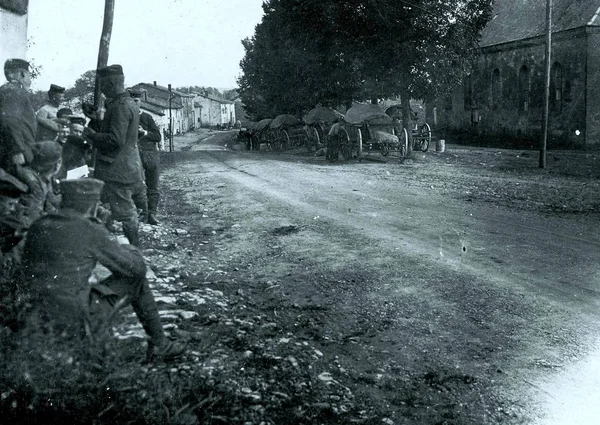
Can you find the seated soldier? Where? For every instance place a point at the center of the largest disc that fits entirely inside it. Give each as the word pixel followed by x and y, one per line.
pixel 60 254
pixel 77 152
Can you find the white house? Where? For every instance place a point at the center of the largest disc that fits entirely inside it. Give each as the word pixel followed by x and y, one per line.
pixel 212 111
pixel 13 29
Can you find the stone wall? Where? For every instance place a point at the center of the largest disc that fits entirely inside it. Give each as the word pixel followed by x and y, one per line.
pixel 13 36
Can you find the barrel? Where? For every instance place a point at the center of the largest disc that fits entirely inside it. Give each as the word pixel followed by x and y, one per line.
pixel 440 145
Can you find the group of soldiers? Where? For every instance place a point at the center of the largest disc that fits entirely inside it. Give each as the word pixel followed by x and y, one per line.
pixel 54 226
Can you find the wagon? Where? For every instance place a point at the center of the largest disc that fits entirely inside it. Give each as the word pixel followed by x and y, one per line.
pixel 420 132
pixel 367 129
pixel 287 131
pixel 319 121
pixel 260 133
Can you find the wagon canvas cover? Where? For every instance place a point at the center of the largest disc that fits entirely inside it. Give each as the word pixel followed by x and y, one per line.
pixel 370 113
pixel 322 114
pixel 285 120
pixel 262 124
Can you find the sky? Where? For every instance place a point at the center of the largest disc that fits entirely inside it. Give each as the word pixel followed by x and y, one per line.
pixel 181 42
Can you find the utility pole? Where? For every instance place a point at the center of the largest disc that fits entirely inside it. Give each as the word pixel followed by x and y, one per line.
pixel 170 121
pixel 109 9
pixel 542 162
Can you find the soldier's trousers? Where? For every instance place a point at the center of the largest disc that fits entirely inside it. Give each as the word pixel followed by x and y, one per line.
pixel 151 164
pixel 122 207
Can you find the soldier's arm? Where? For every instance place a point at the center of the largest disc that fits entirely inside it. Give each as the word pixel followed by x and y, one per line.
pixel 45 121
pixel 115 124
pixel 121 260
pixel 153 131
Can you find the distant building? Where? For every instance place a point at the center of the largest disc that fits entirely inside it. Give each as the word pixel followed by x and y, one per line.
pixel 13 30
pixel 213 111
pixel 503 95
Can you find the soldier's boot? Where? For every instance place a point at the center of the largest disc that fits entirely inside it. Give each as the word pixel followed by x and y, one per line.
pixel 159 347
pixel 152 207
pixel 132 231
pixel 140 199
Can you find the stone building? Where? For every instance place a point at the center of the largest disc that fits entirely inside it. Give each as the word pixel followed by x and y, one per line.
pixel 503 95
pixel 13 30
pixel 213 111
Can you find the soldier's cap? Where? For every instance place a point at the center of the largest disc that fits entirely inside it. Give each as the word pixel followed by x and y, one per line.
pixel 56 89
pixel 45 153
pixel 136 93
pixel 75 119
pixel 75 126
pixel 78 191
pixel 110 70
pixel 78 141
pixel 63 122
pixel 64 113
pixel 16 64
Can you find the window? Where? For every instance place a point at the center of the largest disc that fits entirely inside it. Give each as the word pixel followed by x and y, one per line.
pixel 468 92
pixel 556 87
pixel 496 89
pixel 523 89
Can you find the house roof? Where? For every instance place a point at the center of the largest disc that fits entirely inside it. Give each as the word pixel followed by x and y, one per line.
pixel 514 20
pixel 215 98
pixel 162 93
pixel 151 108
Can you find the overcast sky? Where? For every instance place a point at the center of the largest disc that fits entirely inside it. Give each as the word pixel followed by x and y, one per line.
pixel 182 42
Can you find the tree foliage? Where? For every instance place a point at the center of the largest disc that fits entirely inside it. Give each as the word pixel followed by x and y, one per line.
pixel 83 87
pixel 330 52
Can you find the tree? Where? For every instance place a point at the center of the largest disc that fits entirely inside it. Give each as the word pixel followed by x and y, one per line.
pixel 306 53
pixel 84 86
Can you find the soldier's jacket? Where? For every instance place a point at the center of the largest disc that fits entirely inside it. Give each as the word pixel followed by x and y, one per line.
pixel 118 159
pixel 151 140
pixel 47 126
pixel 18 124
pixel 60 253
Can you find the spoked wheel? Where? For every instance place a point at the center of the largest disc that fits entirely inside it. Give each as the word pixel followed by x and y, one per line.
pixel 425 137
pixel 274 141
pixel 345 145
pixel 284 139
pixel 359 150
pixel 403 140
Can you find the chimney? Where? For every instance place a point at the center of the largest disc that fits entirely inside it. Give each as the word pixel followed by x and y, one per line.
pixel 155 84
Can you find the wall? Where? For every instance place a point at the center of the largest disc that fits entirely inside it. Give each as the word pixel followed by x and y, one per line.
pixel 593 88
pixel 495 108
pixel 13 36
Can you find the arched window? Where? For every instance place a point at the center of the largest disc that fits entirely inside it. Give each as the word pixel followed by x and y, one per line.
pixel 496 89
pixel 556 87
pixel 523 89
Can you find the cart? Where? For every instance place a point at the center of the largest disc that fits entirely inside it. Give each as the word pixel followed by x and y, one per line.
pixel 260 134
pixel 287 131
pixel 420 132
pixel 367 129
pixel 319 121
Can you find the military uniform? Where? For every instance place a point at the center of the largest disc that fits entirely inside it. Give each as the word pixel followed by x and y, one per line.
pixel 59 257
pixel 46 116
pixel 150 156
pixel 18 125
pixel 118 161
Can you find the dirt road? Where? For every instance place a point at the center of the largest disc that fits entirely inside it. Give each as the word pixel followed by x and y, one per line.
pixel 451 288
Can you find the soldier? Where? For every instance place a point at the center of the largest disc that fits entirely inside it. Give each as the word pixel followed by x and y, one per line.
pixel 148 141
pixel 18 124
pixel 76 153
pixel 47 114
pixel 60 254
pixel 118 160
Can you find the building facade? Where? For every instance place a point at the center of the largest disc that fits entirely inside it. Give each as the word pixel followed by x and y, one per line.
pixel 213 111
pixel 504 94
pixel 13 29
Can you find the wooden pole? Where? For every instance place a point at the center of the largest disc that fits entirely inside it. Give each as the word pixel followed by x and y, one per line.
pixel 109 9
pixel 542 162
pixel 170 121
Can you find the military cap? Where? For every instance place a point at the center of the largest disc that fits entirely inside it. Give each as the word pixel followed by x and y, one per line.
pixel 56 89
pixel 110 70
pixel 64 113
pixel 79 191
pixel 78 141
pixel 16 64
pixel 136 92
pixel 74 119
pixel 63 122
pixel 47 152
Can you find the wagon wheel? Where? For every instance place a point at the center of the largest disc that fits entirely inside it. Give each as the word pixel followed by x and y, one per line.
pixel 284 139
pixel 307 140
pixel 273 141
pixel 345 144
pixel 359 148
pixel 255 142
pixel 314 137
pixel 425 137
pixel 403 140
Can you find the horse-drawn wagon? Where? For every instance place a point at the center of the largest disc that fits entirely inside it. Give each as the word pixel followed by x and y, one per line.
pixel 287 131
pixel 318 122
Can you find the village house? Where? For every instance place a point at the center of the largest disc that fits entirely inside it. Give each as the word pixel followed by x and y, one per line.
pixel 181 106
pixel 213 111
pixel 504 94
pixel 13 29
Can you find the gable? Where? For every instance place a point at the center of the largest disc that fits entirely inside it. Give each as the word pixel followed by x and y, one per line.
pixel 514 20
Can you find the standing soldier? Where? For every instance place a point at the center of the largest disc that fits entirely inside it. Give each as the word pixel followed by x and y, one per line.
pixel 46 116
pixel 17 117
pixel 148 141
pixel 118 160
